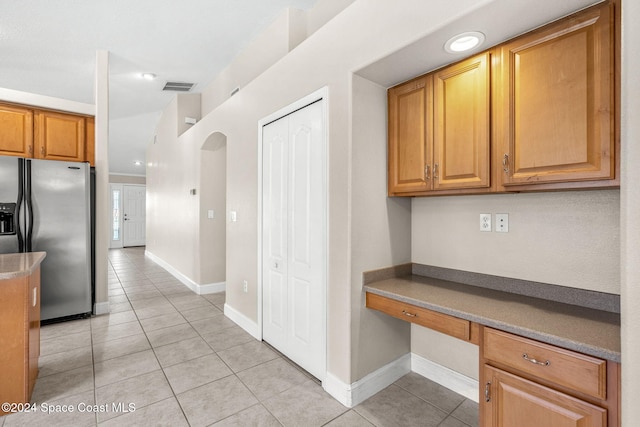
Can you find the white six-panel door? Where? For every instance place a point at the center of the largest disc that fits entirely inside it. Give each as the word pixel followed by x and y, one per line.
pixel 293 237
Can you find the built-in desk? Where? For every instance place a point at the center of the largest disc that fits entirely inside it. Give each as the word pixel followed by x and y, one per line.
pixel 20 326
pixel 563 359
pixel 589 331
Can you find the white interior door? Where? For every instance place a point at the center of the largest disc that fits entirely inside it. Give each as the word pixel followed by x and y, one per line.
pixel 293 238
pixel 134 215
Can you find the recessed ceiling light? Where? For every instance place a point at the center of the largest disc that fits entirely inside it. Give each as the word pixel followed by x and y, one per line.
pixel 463 42
pixel 148 76
pixel 137 163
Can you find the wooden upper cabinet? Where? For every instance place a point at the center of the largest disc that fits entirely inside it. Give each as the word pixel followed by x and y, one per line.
pixel 556 109
pixel 16 131
pixel 462 124
pixel 90 138
pixel 439 131
pixel 59 136
pixel 410 136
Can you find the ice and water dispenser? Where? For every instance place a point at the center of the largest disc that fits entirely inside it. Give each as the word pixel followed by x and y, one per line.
pixel 7 223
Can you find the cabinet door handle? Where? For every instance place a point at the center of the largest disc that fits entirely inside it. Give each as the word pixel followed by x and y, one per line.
pixel 31 149
pixel 435 171
pixel 42 150
pixel 505 163
pixel 426 172
pixel 526 357
pixel 406 313
pixel 487 392
pixel 35 296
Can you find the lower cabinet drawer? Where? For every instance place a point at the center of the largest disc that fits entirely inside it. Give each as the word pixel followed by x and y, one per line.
pixel 566 368
pixel 449 325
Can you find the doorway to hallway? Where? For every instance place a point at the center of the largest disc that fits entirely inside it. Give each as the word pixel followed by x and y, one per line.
pixel 128 215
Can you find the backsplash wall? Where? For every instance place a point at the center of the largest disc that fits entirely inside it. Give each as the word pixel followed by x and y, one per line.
pixel 563 238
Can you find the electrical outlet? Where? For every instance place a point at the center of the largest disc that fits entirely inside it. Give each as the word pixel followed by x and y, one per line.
pixel 502 223
pixel 485 222
pixel 245 286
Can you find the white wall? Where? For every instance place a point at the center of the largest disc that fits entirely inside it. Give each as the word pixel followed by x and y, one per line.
pixel 363 32
pixel 380 230
pixel 172 212
pixel 213 196
pixel 26 98
pixel 265 50
pixel 564 238
pixel 127 179
pixel 630 215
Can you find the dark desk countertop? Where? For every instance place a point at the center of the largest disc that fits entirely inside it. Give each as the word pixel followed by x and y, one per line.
pixel 586 330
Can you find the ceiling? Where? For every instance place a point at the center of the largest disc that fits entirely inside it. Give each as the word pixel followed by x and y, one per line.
pixel 48 47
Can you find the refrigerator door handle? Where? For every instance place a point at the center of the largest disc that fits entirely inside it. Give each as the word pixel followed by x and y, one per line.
pixel 16 218
pixel 29 206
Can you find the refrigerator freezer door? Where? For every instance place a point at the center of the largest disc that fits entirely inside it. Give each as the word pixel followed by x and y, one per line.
pixel 9 190
pixel 61 228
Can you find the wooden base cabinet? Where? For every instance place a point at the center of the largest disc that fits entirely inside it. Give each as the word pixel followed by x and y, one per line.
pixel 20 340
pixel 517 402
pixel 526 383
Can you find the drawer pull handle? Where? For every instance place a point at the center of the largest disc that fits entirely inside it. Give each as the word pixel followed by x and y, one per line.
pixel 526 357
pixel 487 392
pixel 406 313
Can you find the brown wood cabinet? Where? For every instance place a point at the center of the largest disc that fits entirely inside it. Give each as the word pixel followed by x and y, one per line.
pixel 528 383
pixel 59 136
pixel 16 131
pixel 90 141
pixel 533 114
pixel 43 134
pixel 516 401
pixel 556 112
pixel 20 326
pixel 461 147
pixel 439 130
pixel 453 326
pixel 523 382
pixel 410 136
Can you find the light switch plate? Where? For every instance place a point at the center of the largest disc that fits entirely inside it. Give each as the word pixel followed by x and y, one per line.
pixel 210 214
pixel 502 223
pixel 233 216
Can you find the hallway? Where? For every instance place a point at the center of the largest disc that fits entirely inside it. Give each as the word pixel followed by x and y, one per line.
pixel 165 356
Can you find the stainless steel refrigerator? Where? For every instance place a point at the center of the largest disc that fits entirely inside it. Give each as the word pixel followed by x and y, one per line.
pixel 45 206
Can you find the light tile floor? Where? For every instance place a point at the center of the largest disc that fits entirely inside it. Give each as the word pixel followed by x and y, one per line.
pixel 165 356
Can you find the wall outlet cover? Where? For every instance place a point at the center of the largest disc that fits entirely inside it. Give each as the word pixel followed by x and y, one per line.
pixel 485 222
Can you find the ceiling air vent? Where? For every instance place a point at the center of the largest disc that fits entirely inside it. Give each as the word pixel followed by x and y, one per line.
pixel 178 86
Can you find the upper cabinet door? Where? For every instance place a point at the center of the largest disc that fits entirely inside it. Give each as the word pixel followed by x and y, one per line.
pixel 16 131
pixel 556 111
pixel 60 136
pixel 410 136
pixel 462 125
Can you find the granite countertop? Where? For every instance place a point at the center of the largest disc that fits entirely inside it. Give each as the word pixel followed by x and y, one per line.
pixel 586 330
pixel 19 265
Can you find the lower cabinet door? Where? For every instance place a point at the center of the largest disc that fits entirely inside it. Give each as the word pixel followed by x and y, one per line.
pixel 517 402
